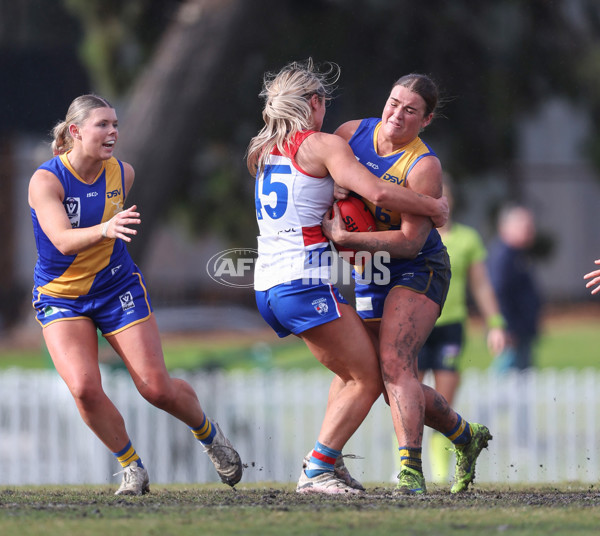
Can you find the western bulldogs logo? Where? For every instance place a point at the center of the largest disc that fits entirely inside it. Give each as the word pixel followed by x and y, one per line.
pixel 321 306
pixel 126 301
pixel 73 208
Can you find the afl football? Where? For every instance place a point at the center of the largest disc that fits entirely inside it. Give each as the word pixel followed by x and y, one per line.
pixel 357 218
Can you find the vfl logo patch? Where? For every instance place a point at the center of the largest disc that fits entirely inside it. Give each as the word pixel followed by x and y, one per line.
pixel 50 310
pixel 321 306
pixel 126 301
pixel 73 208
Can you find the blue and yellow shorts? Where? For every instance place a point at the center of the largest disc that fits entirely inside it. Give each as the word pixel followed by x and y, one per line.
pixel 426 275
pixel 111 310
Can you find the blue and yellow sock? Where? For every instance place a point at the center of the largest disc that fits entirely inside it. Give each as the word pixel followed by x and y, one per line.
pixel 411 457
pixel 127 455
pixel 205 433
pixel 461 433
pixel 321 461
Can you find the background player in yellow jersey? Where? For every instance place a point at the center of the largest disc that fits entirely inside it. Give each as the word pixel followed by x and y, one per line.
pixel 86 281
pixel 443 348
pixel 401 313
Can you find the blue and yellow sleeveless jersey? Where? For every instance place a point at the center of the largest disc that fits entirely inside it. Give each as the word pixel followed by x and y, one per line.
pixel 393 168
pixel 93 270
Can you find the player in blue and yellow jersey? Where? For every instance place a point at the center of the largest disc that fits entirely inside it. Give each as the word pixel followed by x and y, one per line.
pixel 85 280
pixel 401 303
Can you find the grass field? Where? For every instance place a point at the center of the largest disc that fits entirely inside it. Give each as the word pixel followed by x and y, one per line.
pixel 277 510
pixel 570 339
pixel 570 508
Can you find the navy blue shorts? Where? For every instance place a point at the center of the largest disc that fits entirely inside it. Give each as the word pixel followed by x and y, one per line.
pixel 295 307
pixel 443 348
pixel 113 310
pixel 429 276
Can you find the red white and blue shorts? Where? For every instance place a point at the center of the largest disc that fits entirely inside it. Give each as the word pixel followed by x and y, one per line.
pixel 297 306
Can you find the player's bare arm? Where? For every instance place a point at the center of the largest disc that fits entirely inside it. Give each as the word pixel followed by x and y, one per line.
pixel 46 197
pixel 397 243
pixel 339 160
pixel 405 243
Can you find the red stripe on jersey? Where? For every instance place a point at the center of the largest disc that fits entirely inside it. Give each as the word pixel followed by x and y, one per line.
pixel 323 458
pixel 291 148
pixel 313 235
pixel 292 145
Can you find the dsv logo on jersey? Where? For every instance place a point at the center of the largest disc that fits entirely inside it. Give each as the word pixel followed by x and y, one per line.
pixel 233 267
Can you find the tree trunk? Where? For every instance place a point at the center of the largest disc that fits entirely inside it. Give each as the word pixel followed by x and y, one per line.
pixel 164 118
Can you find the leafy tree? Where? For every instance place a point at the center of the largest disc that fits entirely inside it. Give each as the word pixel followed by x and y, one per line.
pixel 119 38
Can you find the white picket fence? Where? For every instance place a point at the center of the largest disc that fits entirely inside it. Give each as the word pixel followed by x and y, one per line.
pixel 545 426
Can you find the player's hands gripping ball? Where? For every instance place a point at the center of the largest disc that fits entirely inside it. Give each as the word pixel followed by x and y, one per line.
pixel 357 218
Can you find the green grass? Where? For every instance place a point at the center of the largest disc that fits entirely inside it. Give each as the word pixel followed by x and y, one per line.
pixel 26 359
pixel 287 354
pixel 190 353
pixel 572 345
pixel 274 509
pixel 567 345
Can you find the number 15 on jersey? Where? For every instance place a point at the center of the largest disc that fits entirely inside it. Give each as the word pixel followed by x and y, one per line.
pixel 269 185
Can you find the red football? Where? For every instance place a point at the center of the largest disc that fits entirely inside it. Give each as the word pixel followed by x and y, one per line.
pixel 358 219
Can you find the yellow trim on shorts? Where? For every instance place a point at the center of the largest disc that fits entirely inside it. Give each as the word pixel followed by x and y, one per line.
pixel 415 290
pixel 82 317
pixel 139 320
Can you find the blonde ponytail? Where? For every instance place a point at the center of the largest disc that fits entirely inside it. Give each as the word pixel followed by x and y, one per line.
pixel 287 109
pixel 62 141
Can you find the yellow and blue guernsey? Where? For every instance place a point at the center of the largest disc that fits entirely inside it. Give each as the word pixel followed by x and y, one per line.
pixel 429 273
pixel 393 168
pixel 72 286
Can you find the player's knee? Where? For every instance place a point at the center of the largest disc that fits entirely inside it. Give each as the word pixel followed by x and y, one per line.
pixel 374 387
pixel 158 394
pixel 399 379
pixel 368 387
pixel 87 394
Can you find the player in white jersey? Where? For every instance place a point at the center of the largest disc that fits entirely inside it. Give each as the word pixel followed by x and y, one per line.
pixel 290 231
pixel 294 164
